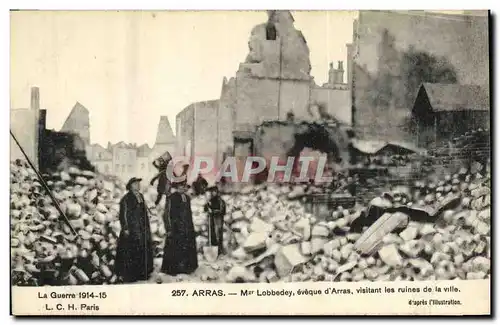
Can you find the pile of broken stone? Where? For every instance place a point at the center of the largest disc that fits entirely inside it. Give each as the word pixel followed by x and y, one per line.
pixel 44 249
pixel 275 239
pixel 268 234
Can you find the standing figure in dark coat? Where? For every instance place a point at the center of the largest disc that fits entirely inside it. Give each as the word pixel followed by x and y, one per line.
pixel 134 253
pixel 216 209
pixel 179 254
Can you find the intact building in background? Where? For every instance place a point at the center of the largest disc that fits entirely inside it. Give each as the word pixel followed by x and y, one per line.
pixel 130 160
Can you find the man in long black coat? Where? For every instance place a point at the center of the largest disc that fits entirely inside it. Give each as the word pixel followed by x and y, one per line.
pixel 134 254
pixel 179 254
pixel 216 209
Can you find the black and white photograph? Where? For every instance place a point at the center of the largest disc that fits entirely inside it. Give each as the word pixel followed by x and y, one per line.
pixel 160 148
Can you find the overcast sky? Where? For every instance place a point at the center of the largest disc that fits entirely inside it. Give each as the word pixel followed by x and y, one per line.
pixel 128 68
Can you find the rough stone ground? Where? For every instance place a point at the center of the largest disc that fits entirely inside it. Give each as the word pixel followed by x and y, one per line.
pixel 204 272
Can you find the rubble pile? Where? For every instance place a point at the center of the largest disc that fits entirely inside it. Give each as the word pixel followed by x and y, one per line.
pixel 268 234
pixel 44 250
pixel 274 238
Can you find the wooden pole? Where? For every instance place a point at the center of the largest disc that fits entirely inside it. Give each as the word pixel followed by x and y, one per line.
pixel 279 79
pixel 435 128
pixel 46 187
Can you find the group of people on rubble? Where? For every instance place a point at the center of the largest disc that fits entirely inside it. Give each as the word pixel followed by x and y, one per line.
pixel 134 256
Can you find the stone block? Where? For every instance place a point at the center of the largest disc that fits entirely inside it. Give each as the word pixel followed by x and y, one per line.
pixel 390 256
pixel 287 258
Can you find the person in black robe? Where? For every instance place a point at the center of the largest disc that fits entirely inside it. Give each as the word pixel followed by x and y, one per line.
pixel 134 253
pixel 179 254
pixel 216 209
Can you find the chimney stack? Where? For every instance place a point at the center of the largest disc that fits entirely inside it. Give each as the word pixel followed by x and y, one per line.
pixel 349 64
pixel 339 73
pixel 331 74
pixel 35 98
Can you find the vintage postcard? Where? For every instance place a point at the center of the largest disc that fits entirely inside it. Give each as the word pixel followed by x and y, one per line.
pixel 250 163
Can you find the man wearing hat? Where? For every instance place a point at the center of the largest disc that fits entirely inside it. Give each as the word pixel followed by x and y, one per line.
pixel 216 209
pixel 134 253
pixel 179 253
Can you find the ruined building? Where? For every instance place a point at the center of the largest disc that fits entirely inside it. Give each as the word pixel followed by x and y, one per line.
pixel 48 150
pixel 446 111
pixel 78 122
pixel 27 124
pixel 196 129
pixel 273 83
pixel 395 52
pixel 70 146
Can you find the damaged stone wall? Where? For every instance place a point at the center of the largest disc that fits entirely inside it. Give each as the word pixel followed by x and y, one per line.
pixel 260 100
pixel 24 125
pixel 285 57
pixel 381 102
pixel 275 78
pixel 462 39
pixel 257 100
pixel 273 82
pixel 337 102
pixel 205 130
pixel 226 115
pixel 295 96
pixel 275 139
pixel 288 139
pixel 78 122
pixel 198 127
pixel 185 130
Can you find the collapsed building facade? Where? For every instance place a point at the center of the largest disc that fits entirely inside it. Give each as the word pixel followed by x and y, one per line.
pixel 378 100
pixel 46 149
pixel 273 84
pixel 395 52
